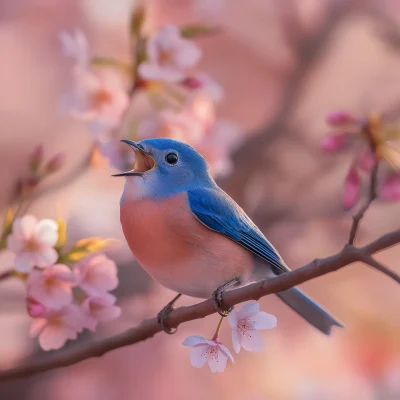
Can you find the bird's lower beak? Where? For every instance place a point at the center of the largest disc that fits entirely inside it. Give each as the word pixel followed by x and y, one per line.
pixel 144 161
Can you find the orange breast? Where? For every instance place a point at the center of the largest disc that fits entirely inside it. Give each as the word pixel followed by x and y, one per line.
pixel 179 251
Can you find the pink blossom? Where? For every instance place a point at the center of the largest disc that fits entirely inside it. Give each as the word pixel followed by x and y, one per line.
pixel 52 287
pixel 245 325
pixel 75 45
pixel 119 157
pixel 352 188
pixel 204 351
pixel 340 118
pixel 179 126
pixel 55 327
pixel 96 274
pixel 334 142
pixel 390 189
pixel 205 84
pixel 169 56
pixel 34 308
pixel 32 242
pixel 100 309
pixel 100 99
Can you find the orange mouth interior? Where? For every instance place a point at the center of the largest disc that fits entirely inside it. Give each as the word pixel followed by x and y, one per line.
pixel 143 162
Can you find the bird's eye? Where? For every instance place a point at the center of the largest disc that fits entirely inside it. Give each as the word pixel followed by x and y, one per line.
pixel 171 158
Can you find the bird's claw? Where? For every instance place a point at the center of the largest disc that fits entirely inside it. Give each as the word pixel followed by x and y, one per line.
pixel 162 319
pixel 218 302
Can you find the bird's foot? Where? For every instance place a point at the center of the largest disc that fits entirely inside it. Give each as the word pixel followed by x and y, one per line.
pixel 217 298
pixel 163 315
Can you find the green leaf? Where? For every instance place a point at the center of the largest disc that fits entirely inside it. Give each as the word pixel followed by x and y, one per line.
pixel 193 31
pixel 104 62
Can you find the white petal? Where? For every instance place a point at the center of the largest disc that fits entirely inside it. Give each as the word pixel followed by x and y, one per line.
pixel 226 351
pixel 236 341
pixel 218 363
pixel 45 257
pixel 46 232
pixel 24 262
pixel 23 227
pixel 263 320
pixel 198 355
pixel 255 342
pixel 187 54
pixel 54 337
pixel 193 341
pixel 232 319
pixel 248 310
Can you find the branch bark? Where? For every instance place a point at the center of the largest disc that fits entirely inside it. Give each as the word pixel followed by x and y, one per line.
pixel 148 328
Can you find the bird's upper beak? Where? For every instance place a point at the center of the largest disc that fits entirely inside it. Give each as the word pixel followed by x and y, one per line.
pixel 144 161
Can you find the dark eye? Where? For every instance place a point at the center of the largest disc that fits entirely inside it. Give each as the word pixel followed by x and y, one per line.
pixel 171 158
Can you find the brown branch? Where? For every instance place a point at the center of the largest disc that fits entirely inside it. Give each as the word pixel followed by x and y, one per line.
pixel 148 328
pixel 6 274
pixel 369 260
pixel 371 197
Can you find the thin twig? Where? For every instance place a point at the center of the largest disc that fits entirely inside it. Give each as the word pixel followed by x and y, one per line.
pixel 6 274
pixel 148 328
pixel 368 259
pixel 371 197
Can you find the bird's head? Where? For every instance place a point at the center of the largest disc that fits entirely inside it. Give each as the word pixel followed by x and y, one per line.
pixel 166 165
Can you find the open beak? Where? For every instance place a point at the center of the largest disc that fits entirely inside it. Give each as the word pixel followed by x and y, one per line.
pixel 144 161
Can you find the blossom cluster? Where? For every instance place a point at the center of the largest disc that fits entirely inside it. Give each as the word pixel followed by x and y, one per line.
pixel 246 324
pixel 374 142
pixel 182 100
pixel 66 291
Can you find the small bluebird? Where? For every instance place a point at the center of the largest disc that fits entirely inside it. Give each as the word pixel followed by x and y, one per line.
pixel 194 239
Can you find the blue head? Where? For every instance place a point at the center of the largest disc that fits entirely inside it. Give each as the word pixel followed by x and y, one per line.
pixel 164 167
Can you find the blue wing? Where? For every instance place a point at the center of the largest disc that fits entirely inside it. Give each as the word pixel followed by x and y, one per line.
pixel 216 210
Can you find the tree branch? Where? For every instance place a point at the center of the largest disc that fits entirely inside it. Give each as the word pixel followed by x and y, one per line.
pixel 371 197
pixel 148 328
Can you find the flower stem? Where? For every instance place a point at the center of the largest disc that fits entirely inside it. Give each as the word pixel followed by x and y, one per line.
pixel 218 328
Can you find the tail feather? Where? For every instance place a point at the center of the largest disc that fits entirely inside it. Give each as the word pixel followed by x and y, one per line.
pixel 309 310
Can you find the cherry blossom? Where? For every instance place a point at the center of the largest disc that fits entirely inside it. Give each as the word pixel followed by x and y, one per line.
pixel 334 142
pixel 100 309
pixel 245 325
pixel 179 126
pixel 34 308
pixel 96 274
pixel 205 351
pixel 75 45
pixel 203 83
pixel 55 327
pixel 52 287
pixel 100 99
pixel 32 241
pixel 169 56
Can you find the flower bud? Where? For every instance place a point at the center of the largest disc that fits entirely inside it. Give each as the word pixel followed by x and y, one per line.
pixel 55 163
pixel 36 159
pixel 334 142
pixel 340 118
pixel 390 189
pixel 352 188
pixel 34 308
pixel 192 82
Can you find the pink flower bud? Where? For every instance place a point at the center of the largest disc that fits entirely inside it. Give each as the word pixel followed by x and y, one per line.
pixel 366 161
pixel 26 186
pixel 334 142
pixel 192 82
pixel 36 158
pixel 352 188
pixel 340 118
pixel 55 163
pixel 390 189
pixel 34 308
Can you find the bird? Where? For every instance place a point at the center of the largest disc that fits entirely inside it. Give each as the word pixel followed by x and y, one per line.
pixel 192 237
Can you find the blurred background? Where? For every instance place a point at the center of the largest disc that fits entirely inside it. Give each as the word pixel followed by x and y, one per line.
pixel 283 66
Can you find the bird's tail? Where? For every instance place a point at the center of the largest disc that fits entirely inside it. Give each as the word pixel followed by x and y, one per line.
pixel 309 310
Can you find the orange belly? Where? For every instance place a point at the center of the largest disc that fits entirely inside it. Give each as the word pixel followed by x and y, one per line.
pixel 179 251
